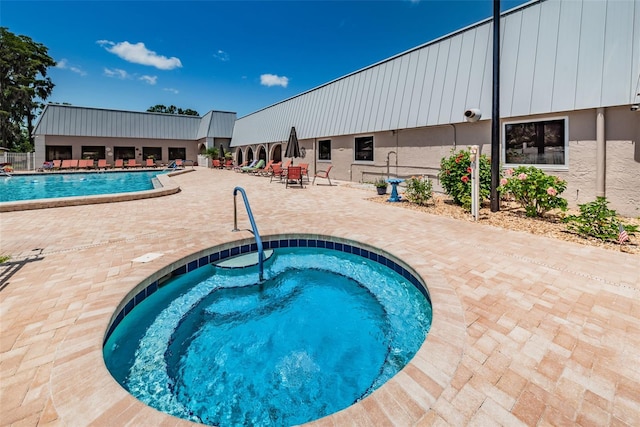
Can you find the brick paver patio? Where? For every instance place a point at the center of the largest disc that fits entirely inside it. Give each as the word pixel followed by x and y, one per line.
pixel 526 330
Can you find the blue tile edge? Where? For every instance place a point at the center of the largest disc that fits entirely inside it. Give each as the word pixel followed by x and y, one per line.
pixel 269 244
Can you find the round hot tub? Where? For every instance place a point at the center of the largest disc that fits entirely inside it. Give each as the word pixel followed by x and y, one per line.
pixel 330 322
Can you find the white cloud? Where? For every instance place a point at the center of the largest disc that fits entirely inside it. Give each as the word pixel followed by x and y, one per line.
pixel 168 89
pixel 137 53
pixel 117 73
pixel 274 80
pixel 149 79
pixel 64 65
pixel 221 55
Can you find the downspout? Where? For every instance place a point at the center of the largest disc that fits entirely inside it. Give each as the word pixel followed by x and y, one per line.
pixel 601 154
pixel 454 135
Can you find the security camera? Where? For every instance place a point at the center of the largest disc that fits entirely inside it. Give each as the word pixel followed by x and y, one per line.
pixel 635 107
pixel 472 115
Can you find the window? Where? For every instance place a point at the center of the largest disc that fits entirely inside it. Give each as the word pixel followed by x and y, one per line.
pixel 152 152
pixel 541 143
pixel 58 152
pixel 177 153
pixel 124 153
pixel 324 149
pixel 364 149
pixel 93 152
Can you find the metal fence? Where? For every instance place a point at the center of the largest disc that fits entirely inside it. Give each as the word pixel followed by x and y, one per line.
pixel 19 161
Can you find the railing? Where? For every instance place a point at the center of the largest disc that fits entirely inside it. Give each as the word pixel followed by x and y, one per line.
pixel 19 161
pixel 254 228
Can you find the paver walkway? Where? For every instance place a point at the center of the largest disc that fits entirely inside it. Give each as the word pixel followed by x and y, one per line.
pixel 526 330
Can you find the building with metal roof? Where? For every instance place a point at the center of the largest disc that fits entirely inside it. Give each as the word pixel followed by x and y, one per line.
pixel 70 132
pixel 570 74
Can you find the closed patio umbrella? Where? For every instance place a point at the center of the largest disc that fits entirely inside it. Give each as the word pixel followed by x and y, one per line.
pixel 293 147
pixel 221 152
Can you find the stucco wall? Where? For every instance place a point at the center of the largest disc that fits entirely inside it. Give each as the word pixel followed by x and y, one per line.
pixel 77 142
pixel 419 152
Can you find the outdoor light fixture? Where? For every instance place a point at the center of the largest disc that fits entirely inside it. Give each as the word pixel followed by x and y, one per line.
pixel 472 114
pixel 635 107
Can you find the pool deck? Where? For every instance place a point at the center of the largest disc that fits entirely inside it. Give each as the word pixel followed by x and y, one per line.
pixel 526 330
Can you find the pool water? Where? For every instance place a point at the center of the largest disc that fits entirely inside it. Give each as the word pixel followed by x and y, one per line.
pixel 54 185
pixel 323 330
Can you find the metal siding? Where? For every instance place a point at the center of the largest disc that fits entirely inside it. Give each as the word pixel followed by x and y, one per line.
pixel 408 91
pixel 394 93
pixel 377 96
pixel 564 83
pixel 337 103
pixel 354 97
pixel 461 87
pixel 438 82
pixel 525 66
pixel 545 62
pixel 618 53
pixel 417 88
pixel 349 110
pixel 481 47
pixel 428 84
pixel 368 98
pixel 508 61
pixel 590 56
pixel 383 108
pixel 450 79
pixel 403 69
pixel 342 106
pixel 363 107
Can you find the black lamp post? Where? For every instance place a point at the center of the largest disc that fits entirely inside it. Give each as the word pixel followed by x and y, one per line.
pixel 495 114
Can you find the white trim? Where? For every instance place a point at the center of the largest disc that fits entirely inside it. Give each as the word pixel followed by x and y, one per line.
pixel 558 167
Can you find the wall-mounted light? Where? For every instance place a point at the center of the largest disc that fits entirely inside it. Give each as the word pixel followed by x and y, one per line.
pixel 472 115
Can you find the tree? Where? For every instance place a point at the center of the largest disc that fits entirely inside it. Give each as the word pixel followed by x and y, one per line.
pixel 24 86
pixel 172 109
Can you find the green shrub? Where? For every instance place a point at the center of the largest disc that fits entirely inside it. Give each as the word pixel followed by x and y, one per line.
pixel 455 177
pixel 597 220
pixel 534 190
pixel 418 190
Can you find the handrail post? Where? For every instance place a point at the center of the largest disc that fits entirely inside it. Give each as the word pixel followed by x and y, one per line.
pixel 253 227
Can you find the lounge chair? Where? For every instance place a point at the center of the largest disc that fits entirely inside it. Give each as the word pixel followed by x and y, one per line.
pixel 119 163
pixel 323 174
pixel 178 163
pixel 150 163
pixel 228 164
pixel 276 172
pixel 305 170
pixel 264 169
pixel 216 164
pixel 255 167
pixel 57 164
pixel 69 164
pixel 133 164
pixel 240 166
pixel 102 164
pixel 294 176
pixel 269 171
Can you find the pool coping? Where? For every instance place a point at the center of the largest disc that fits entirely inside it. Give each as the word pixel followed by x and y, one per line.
pixel 167 187
pixel 79 364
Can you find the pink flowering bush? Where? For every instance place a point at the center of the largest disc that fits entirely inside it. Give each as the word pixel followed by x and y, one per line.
pixel 455 177
pixel 534 190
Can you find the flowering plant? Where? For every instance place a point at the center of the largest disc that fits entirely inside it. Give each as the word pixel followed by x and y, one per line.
pixel 597 220
pixel 418 190
pixel 455 177
pixel 535 191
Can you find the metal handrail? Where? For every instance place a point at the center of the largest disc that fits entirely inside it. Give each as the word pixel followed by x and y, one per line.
pixel 254 228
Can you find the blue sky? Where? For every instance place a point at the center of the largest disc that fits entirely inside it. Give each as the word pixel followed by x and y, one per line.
pixel 237 56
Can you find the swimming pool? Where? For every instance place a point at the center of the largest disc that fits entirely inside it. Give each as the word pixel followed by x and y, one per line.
pixel 57 185
pixel 330 324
